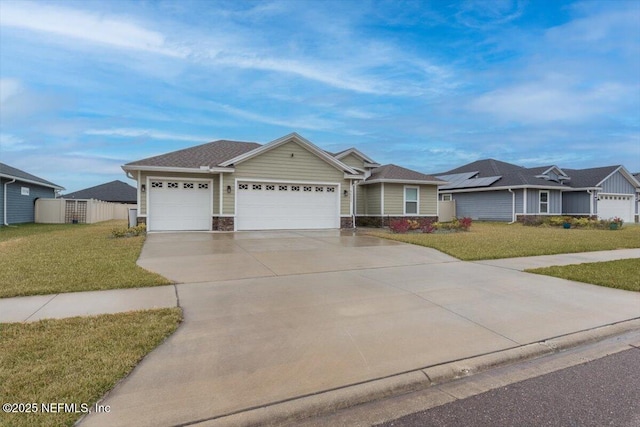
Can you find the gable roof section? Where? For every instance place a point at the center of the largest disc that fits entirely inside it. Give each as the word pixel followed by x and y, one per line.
pixel 114 191
pixel 398 174
pixel 589 178
pixel 10 172
pixel 210 154
pixel 353 150
pixel 292 137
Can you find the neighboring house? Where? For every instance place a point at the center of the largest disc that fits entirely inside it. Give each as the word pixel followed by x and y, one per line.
pixel 18 193
pixel 637 177
pixel 288 183
pixel 114 191
pixel 499 191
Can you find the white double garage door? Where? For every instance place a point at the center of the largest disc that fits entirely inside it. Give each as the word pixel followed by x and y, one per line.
pixel 616 205
pixel 180 205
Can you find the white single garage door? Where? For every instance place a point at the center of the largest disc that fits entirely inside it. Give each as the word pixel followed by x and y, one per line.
pixel 610 206
pixel 177 205
pixel 285 206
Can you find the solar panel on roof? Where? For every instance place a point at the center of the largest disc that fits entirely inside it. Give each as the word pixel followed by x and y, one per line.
pixel 473 182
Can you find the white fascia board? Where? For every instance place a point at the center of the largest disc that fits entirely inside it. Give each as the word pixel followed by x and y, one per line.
pixel 556 168
pixel 514 187
pixel 347 176
pixel 372 165
pixel 405 181
pixel 358 153
pixel 287 138
pixel 175 169
pixel 29 181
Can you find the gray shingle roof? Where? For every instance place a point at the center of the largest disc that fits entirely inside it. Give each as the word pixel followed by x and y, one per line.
pixel 20 174
pixel 588 177
pixel 114 191
pixel 513 175
pixel 210 154
pixel 485 168
pixel 398 173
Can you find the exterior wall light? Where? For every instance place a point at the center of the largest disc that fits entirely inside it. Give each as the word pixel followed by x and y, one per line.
pixel 143 188
pixel 228 189
pixel 346 193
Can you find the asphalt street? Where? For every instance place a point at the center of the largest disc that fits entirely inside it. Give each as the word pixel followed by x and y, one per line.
pixel 603 392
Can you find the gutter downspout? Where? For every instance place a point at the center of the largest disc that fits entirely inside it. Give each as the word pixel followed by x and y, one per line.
pixel 355 204
pixel 513 206
pixel 4 202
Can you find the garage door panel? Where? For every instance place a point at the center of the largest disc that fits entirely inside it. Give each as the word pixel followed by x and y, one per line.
pixel 286 206
pixel 610 206
pixel 179 206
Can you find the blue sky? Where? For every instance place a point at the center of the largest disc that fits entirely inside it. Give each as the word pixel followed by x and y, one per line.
pixel 88 86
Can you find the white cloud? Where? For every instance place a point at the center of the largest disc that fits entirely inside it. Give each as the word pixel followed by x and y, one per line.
pixel 90 27
pixel 146 133
pixel 8 88
pixel 10 142
pixel 551 100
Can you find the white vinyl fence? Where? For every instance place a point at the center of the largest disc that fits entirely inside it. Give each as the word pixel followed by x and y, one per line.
pixel 82 211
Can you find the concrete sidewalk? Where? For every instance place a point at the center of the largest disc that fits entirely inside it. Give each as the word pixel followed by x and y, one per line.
pixel 524 263
pixel 57 306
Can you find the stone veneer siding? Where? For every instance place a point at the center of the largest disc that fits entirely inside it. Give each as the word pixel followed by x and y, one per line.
pixel 223 223
pixel 141 220
pixel 346 222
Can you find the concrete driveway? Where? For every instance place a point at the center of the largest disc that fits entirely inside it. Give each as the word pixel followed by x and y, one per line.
pixel 275 316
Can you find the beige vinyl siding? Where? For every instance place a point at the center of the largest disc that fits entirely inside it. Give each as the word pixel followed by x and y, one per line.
pixel 353 160
pixel 428 200
pixel 361 199
pixel 278 163
pixel 393 199
pixel 372 205
pixel 142 209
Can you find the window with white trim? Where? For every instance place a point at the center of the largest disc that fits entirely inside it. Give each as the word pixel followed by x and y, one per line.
pixel 411 200
pixel 446 197
pixel 544 201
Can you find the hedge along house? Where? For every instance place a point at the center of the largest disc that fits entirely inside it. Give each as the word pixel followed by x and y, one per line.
pixel 288 183
pixel 18 192
pixel 499 191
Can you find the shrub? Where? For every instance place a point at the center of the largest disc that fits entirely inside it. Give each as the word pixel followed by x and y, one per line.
pixel 413 224
pixel 129 232
pixel 428 227
pixel 465 223
pixel 399 225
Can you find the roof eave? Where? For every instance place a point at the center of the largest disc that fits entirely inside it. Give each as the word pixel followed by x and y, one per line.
pixel 404 181
pixel 505 187
pixel 203 170
pixel 30 181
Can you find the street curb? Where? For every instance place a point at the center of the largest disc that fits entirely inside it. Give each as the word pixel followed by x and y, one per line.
pixel 330 401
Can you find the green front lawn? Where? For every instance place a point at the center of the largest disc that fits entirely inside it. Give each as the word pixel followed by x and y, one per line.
pixel 500 240
pixel 75 360
pixel 46 258
pixel 620 274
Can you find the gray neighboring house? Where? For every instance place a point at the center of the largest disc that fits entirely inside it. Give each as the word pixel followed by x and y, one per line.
pixel 114 191
pixel 18 193
pixel 498 191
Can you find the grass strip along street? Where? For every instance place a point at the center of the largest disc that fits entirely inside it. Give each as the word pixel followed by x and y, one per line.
pixel 73 361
